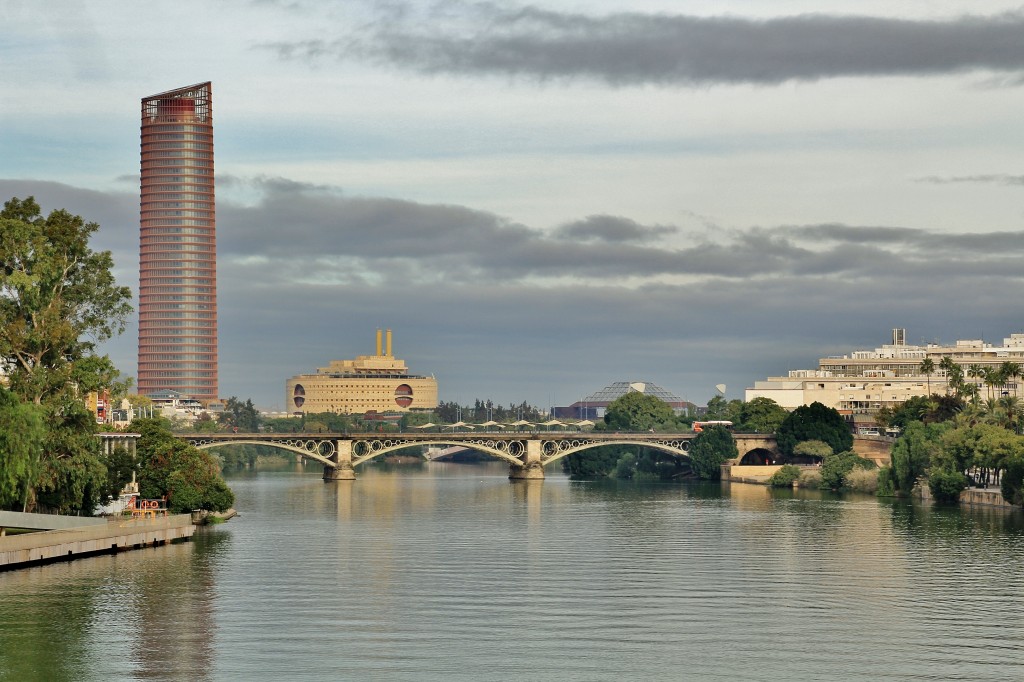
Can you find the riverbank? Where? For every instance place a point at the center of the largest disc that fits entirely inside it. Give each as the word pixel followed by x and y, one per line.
pixel 202 517
pixel 759 475
pixel 56 538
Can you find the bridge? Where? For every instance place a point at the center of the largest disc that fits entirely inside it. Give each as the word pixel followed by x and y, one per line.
pixel 527 453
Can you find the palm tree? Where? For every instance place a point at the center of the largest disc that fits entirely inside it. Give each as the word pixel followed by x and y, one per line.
pixel 927 368
pixel 954 374
pixel 1010 372
pixel 975 371
pixel 991 377
pixel 1011 408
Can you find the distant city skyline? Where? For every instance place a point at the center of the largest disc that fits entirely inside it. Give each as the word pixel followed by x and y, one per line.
pixel 541 200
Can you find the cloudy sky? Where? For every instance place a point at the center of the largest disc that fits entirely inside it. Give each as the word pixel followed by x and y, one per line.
pixel 543 198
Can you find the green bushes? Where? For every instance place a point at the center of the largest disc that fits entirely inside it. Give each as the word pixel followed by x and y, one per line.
pixel 886 483
pixel 836 468
pixel 810 478
pixel 946 485
pixel 863 480
pixel 784 477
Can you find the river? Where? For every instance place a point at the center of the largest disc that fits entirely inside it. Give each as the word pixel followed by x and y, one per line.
pixel 450 572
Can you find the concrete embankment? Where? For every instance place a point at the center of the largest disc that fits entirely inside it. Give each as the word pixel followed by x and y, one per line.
pixel 73 537
pixel 984 497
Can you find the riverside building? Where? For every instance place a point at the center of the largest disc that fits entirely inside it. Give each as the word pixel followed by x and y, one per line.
pixel 369 383
pixel 865 381
pixel 178 245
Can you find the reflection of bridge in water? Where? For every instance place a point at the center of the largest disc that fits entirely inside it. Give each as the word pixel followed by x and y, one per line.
pixel 527 453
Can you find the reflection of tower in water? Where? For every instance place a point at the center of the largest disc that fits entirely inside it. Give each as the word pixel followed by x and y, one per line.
pixel 174 598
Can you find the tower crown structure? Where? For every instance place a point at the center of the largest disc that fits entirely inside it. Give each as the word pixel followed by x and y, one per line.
pixel 178 245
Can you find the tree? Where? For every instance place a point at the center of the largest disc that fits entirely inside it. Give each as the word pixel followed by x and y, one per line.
pixel 838 466
pixel 21 448
pixel 930 409
pixel 717 409
pixel 813 450
pixel 813 422
pixel 784 477
pixel 240 416
pixel 912 454
pixel 975 371
pixel 598 462
pixel 188 477
pixel 637 411
pixel 1010 371
pixel 991 377
pixel 761 415
pixel 58 299
pixel 954 375
pixel 1012 482
pixel 709 450
pixel 204 423
pixel 927 368
pixel 946 485
pixel 633 411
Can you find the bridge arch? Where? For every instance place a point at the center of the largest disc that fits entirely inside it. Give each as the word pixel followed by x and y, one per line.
pixel 308 448
pixel 363 450
pixel 678 448
pixel 758 457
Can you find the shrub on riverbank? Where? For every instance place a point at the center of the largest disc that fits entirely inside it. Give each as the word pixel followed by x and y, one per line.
pixel 809 478
pixel 836 469
pixel 945 484
pixel 863 481
pixel 784 477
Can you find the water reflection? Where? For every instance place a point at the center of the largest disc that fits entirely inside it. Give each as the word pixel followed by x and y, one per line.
pixel 452 572
pixel 134 614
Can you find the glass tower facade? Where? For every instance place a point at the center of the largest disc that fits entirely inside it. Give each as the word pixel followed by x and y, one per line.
pixel 178 245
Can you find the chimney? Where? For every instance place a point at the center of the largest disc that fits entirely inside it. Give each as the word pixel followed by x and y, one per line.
pixel 378 342
pixel 389 343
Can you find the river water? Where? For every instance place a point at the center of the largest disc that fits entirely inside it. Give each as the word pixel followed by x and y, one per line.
pixel 450 572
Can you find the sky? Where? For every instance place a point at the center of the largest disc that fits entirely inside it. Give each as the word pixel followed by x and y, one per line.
pixel 540 199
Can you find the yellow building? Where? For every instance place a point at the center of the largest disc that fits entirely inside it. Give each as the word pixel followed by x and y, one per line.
pixel 377 383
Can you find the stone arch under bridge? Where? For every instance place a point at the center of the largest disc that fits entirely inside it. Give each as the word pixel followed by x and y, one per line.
pixel 526 453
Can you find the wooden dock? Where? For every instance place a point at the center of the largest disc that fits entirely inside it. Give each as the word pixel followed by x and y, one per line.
pixel 56 538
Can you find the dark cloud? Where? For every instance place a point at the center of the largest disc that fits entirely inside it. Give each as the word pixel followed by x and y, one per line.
pixel 381 239
pixel 611 229
pixel 497 309
pixel 117 214
pixel 668 49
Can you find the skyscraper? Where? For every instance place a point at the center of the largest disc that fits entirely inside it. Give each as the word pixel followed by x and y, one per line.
pixel 178 245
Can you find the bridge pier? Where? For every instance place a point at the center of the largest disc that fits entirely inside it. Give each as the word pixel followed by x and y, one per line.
pixel 527 472
pixel 339 473
pixel 342 457
pixel 531 469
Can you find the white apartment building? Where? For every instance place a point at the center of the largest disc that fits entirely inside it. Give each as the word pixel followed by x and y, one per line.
pixel 867 380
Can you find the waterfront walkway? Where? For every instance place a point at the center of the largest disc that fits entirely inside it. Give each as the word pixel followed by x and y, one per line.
pixel 69 537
